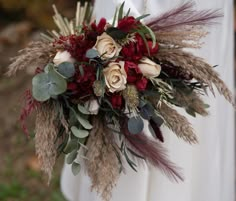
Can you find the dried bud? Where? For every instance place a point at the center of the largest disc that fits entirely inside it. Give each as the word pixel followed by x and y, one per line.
pixel 98 88
pixel 130 95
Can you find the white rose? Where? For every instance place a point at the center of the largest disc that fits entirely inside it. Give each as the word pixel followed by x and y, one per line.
pixel 92 106
pixel 115 76
pixel 149 68
pixel 63 56
pixel 107 47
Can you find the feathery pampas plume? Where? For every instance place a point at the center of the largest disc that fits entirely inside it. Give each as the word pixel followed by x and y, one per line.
pixel 177 123
pixel 184 15
pixel 191 100
pixel 45 136
pixel 37 54
pixel 198 68
pixel 102 164
pixel 152 152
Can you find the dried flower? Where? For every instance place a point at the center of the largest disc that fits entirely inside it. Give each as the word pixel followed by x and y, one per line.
pixel 131 97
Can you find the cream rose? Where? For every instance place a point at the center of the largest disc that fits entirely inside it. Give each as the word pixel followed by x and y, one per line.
pixel 149 68
pixel 115 76
pixel 63 56
pixel 107 47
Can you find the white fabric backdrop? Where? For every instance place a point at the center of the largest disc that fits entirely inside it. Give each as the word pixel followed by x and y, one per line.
pixel 209 166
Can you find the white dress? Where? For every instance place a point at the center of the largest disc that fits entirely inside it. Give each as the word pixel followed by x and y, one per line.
pixel 209 166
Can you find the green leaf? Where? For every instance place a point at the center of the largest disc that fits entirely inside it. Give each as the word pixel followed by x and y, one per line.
pixel 145 40
pixel 153 37
pixel 46 85
pixel 75 168
pixel 121 10
pixel 48 67
pixel 79 133
pixel 66 69
pixel 135 125
pixel 81 70
pixel 191 112
pixel 84 122
pixel 71 145
pixel 114 18
pixel 116 33
pixel 131 163
pixel 71 157
pixel 142 17
pixel 57 85
pixel 82 109
pixel 40 85
pixel 158 120
pixel 128 12
pixel 92 53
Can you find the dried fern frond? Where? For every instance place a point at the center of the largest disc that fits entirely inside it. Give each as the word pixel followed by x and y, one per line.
pixel 198 68
pixel 46 130
pixel 102 160
pixel 37 54
pixel 177 123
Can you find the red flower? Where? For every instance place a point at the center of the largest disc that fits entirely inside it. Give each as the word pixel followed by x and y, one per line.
pixel 135 76
pixel 127 23
pixel 152 50
pixel 100 28
pixel 134 51
pixel 82 85
pixel 117 101
pixel 141 84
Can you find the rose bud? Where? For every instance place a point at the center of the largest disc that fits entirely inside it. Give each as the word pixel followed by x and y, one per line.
pixel 107 47
pixel 92 106
pixel 149 68
pixel 115 76
pixel 63 56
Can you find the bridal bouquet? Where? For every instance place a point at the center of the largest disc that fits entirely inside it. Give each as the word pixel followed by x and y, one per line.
pixel 97 85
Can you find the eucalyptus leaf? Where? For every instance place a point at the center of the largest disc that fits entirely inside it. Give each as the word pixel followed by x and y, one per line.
pixel 71 145
pixel 48 67
pixel 75 168
pixel 40 85
pixel 92 53
pixel 79 133
pixel 66 69
pixel 135 125
pixel 71 156
pixel 82 109
pixel 46 85
pixel 84 122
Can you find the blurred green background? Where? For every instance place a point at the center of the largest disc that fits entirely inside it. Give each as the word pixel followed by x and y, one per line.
pixel 20 177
